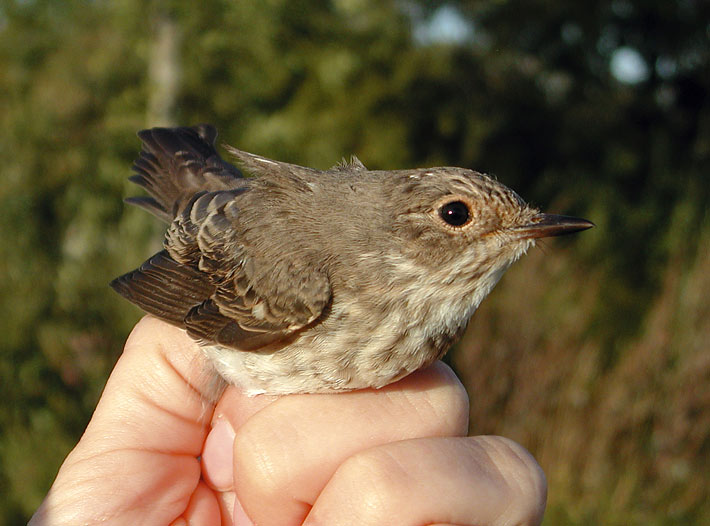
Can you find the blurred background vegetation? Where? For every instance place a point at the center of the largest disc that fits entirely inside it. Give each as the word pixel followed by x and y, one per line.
pixel 592 352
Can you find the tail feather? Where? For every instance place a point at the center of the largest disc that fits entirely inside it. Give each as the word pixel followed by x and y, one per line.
pixel 151 205
pixel 176 163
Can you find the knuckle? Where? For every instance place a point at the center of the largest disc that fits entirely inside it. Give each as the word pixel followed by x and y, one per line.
pixel 255 466
pixel 448 405
pixel 386 483
pixel 524 480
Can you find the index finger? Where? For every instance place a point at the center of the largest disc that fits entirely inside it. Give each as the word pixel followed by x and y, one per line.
pixel 289 447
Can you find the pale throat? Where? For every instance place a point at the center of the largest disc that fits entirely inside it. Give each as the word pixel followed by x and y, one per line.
pixel 446 298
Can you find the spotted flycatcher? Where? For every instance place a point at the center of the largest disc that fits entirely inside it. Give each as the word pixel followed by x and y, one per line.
pixel 299 280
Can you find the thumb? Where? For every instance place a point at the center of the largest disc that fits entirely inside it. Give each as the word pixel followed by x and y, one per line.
pixel 138 458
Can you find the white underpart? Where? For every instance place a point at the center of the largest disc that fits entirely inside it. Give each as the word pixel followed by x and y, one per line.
pixel 273 372
pixel 451 309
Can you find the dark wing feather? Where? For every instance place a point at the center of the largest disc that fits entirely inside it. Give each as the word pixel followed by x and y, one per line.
pixel 207 323
pixel 208 283
pixel 256 302
pixel 176 163
pixel 165 288
pixel 205 280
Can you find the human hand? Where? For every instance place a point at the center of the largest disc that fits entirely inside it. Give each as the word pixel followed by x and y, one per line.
pixel 156 453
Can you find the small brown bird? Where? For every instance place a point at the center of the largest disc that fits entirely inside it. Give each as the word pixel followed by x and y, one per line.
pixel 298 280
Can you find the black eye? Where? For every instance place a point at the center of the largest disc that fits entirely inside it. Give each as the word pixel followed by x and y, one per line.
pixel 455 213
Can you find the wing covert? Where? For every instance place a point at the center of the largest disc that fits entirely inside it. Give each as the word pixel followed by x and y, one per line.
pixel 255 301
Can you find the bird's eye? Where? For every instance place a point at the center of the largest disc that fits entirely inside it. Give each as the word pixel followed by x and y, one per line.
pixel 455 213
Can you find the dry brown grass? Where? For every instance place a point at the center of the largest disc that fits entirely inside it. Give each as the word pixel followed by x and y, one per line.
pixel 623 440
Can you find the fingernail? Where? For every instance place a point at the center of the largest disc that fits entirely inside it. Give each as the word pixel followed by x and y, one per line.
pixel 218 456
pixel 240 517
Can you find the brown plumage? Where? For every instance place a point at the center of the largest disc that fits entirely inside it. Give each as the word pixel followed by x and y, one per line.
pixel 301 280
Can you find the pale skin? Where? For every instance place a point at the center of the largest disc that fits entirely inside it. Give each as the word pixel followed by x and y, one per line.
pixel 156 453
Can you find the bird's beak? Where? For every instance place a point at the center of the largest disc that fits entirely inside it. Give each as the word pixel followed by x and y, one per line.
pixel 549 225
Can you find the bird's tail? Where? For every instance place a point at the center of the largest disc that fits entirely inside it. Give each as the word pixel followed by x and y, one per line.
pixel 175 164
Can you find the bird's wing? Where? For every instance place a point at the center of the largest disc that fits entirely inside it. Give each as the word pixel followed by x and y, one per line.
pixel 176 163
pixel 206 282
pixel 165 288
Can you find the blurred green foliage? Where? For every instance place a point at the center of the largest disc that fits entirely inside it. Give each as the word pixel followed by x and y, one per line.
pixel 604 373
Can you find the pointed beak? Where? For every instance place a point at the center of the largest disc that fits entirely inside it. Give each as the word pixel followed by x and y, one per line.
pixel 549 225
